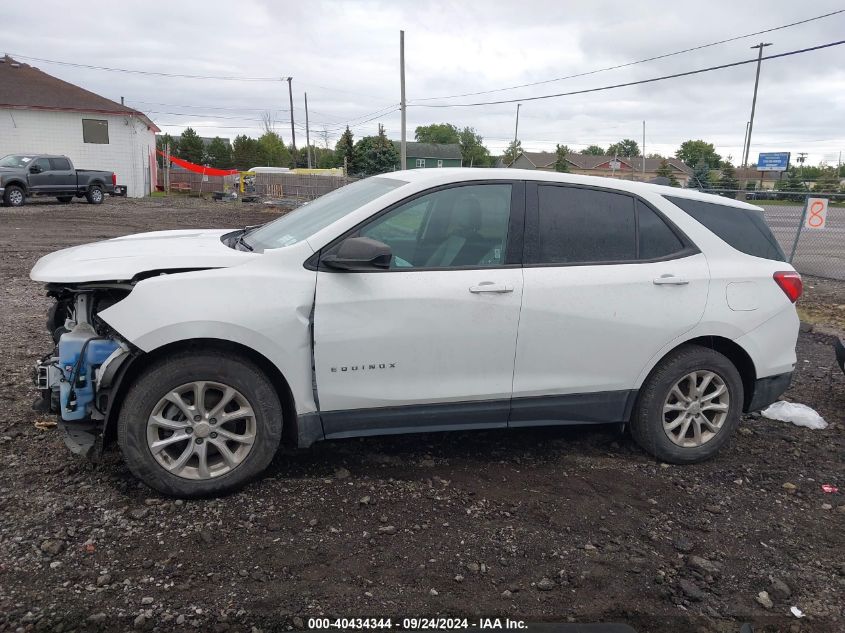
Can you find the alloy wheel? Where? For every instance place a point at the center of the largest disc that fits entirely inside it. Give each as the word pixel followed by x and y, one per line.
pixel 696 408
pixel 201 430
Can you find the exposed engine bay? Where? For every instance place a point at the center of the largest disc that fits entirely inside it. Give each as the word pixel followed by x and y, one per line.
pixel 74 378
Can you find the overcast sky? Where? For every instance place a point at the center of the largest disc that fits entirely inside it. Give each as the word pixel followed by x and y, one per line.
pixel 346 56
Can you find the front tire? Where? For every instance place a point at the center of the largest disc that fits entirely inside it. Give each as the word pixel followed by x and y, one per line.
pixel 200 423
pixel 14 196
pixel 95 195
pixel 689 406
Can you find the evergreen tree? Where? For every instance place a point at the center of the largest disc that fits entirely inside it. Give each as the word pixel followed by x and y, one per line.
pixel 245 152
pixel 827 182
pixel 161 145
pixel 665 171
pixel 512 152
pixel 375 154
pixel 700 176
pixel 191 147
pixel 219 154
pixel 561 164
pixel 728 178
pixel 345 150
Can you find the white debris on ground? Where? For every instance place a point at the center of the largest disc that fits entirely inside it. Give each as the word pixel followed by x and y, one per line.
pixel 798 414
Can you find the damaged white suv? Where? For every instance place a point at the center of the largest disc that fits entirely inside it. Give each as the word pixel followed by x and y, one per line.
pixel 426 300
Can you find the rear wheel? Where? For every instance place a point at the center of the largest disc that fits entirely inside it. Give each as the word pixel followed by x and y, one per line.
pixel 14 196
pixel 95 194
pixel 200 423
pixel 64 199
pixel 689 406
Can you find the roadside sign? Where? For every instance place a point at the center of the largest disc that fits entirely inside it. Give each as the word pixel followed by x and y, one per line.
pixel 773 161
pixel 816 217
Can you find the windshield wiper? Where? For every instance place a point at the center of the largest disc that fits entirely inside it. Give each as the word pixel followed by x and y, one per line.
pixel 240 241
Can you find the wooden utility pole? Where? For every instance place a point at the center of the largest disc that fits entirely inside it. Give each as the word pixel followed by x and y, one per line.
pixel 307 133
pixel 515 133
pixel 292 133
pixel 403 149
pixel 760 48
pixel 643 151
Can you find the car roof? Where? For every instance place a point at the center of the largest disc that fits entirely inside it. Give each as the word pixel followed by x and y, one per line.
pixel 448 175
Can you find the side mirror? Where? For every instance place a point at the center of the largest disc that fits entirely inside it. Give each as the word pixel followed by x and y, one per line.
pixel 35 169
pixel 360 253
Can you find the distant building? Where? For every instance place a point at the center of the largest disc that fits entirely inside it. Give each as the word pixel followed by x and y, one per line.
pixel 588 165
pixel 41 114
pixel 423 155
pixel 749 178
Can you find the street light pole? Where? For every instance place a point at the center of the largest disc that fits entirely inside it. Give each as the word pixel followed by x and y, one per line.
pixel 759 48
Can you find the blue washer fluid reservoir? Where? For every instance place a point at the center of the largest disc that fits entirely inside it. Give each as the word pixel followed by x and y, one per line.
pixel 76 399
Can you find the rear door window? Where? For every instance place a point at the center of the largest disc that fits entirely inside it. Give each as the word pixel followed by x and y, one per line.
pixel 59 164
pixel 578 226
pixel 744 229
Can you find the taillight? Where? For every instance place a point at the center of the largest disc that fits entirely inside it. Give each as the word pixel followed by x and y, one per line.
pixel 114 179
pixel 790 282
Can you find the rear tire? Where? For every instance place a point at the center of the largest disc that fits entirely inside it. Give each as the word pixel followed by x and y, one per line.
pixel 64 199
pixel 689 406
pixel 14 196
pixel 181 449
pixel 95 195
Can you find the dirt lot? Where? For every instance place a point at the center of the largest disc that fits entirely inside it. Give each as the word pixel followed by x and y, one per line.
pixel 573 524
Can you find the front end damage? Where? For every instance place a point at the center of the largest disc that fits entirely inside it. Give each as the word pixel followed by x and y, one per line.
pixel 75 379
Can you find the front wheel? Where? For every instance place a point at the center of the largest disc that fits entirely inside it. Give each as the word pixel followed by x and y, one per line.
pixel 200 423
pixel 689 406
pixel 95 195
pixel 14 196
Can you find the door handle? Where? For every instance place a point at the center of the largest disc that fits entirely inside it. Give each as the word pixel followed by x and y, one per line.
pixel 671 280
pixel 489 286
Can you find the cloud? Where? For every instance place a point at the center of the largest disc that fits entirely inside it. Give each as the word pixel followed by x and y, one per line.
pixel 345 55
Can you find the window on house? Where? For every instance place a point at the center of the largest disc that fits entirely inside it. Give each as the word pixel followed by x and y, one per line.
pixel 421 162
pixel 439 163
pixel 95 131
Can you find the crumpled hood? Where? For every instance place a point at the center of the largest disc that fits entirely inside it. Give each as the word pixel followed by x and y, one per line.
pixel 122 258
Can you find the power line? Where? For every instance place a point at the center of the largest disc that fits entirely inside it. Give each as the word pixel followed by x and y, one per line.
pixel 639 61
pixel 206 107
pixel 145 72
pixel 629 83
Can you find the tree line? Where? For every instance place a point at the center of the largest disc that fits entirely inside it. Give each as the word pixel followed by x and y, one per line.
pixel 378 154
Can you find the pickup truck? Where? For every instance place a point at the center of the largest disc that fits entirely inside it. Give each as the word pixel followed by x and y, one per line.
pixel 23 175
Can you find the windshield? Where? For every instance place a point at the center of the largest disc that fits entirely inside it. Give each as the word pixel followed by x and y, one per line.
pixel 13 160
pixel 305 221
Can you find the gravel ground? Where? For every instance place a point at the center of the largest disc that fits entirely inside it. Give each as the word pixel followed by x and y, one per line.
pixel 554 524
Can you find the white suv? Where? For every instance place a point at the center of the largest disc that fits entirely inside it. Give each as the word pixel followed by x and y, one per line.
pixel 427 300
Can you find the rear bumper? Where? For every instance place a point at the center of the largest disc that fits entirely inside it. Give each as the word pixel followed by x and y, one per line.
pixel 769 389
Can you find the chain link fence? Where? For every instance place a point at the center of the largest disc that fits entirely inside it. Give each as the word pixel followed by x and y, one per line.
pixel 812 246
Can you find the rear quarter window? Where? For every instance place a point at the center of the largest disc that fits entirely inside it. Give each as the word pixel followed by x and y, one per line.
pixel 744 229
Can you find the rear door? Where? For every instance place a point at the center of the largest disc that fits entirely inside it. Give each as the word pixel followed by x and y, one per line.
pixel 428 344
pixel 63 176
pixel 608 283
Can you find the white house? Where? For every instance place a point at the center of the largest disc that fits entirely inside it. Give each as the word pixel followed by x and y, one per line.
pixel 41 114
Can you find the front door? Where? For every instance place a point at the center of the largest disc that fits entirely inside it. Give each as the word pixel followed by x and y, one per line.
pixel 40 176
pixel 608 283
pixel 429 343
